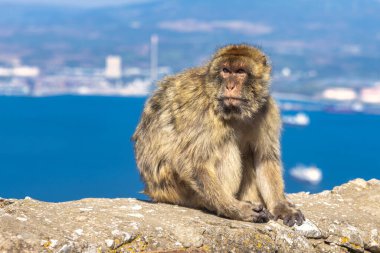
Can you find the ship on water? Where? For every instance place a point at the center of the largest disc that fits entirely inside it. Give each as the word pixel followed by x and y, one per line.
pixel 300 119
pixel 309 174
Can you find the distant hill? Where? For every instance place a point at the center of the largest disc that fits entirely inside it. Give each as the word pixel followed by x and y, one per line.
pixel 337 37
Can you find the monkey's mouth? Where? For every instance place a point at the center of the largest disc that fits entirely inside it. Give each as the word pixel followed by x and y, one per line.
pixel 231 101
pixel 230 98
pixel 231 105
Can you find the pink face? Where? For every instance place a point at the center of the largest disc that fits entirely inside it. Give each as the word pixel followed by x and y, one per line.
pixel 234 77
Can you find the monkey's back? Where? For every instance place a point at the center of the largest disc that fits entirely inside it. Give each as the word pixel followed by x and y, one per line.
pixel 176 132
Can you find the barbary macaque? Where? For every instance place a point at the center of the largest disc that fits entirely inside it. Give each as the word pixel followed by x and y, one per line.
pixel 209 138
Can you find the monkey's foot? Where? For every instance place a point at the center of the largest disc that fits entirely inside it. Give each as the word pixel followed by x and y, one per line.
pixel 264 215
pixel 288 213
pixel 252 212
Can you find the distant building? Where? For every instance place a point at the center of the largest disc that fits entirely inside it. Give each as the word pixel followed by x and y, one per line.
pixel 370 95
pixel 286 72
pixel 5 72
pixel 21 71
pixel 113 67
pixel 26 71
pixel 343 94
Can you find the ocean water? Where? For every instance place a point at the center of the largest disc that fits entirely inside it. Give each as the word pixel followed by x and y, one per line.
pixel 67 147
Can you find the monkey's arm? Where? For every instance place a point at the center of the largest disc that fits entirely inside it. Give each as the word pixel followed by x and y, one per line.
pixel 271 187
pixel 269 169
pixel 213 196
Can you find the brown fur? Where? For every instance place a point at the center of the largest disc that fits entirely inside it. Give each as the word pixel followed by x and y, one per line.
pixel 209 138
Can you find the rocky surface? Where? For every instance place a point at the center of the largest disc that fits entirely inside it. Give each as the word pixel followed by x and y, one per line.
pixel 346 219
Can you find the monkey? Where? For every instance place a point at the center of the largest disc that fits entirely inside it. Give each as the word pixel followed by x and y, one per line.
pixel 209 138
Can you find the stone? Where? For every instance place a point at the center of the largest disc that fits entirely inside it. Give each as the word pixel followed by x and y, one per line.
pixel 346 219
pixel 309 230
pixel 374 242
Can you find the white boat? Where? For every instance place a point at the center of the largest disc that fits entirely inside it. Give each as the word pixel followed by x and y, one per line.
pixel 310 174
pixel 300 119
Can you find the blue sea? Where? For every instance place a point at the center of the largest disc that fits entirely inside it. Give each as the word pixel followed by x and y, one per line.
pixel 68 147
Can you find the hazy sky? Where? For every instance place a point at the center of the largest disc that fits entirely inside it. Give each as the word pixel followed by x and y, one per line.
pixel 82 3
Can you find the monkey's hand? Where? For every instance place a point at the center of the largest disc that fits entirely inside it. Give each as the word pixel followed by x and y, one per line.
pixel 248 211
pixel 288 213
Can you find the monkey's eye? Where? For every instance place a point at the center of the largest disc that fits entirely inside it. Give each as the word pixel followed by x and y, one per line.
pixel 240 71
pixel 226 70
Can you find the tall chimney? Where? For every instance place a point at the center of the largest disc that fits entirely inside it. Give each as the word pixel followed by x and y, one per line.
pixel 153 57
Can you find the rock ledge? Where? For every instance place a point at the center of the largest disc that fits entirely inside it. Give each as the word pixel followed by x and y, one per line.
pixel 346 219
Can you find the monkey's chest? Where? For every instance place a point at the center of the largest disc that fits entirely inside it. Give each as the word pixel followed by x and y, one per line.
pixel 229 168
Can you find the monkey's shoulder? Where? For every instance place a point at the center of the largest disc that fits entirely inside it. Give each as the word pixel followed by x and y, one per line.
pixel 178 105
pixel 182 92
pixel 271 108
pixel 191 77
pixel 268 121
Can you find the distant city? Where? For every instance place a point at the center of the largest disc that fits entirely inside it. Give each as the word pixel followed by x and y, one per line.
pixel 116 80
pixel 21 80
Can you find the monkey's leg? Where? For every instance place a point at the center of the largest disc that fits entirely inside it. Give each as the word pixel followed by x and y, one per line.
pixel 214 197
pixel 251 193
pixel 271 187
pixel 164 185
pixel 248 189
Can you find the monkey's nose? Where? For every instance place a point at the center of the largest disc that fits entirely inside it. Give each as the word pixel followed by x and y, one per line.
pixel 231 86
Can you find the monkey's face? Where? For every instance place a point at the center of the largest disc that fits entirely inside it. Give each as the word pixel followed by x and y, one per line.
pixel 241 83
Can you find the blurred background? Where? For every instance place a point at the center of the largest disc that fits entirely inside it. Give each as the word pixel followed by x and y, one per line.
pixel 74 76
